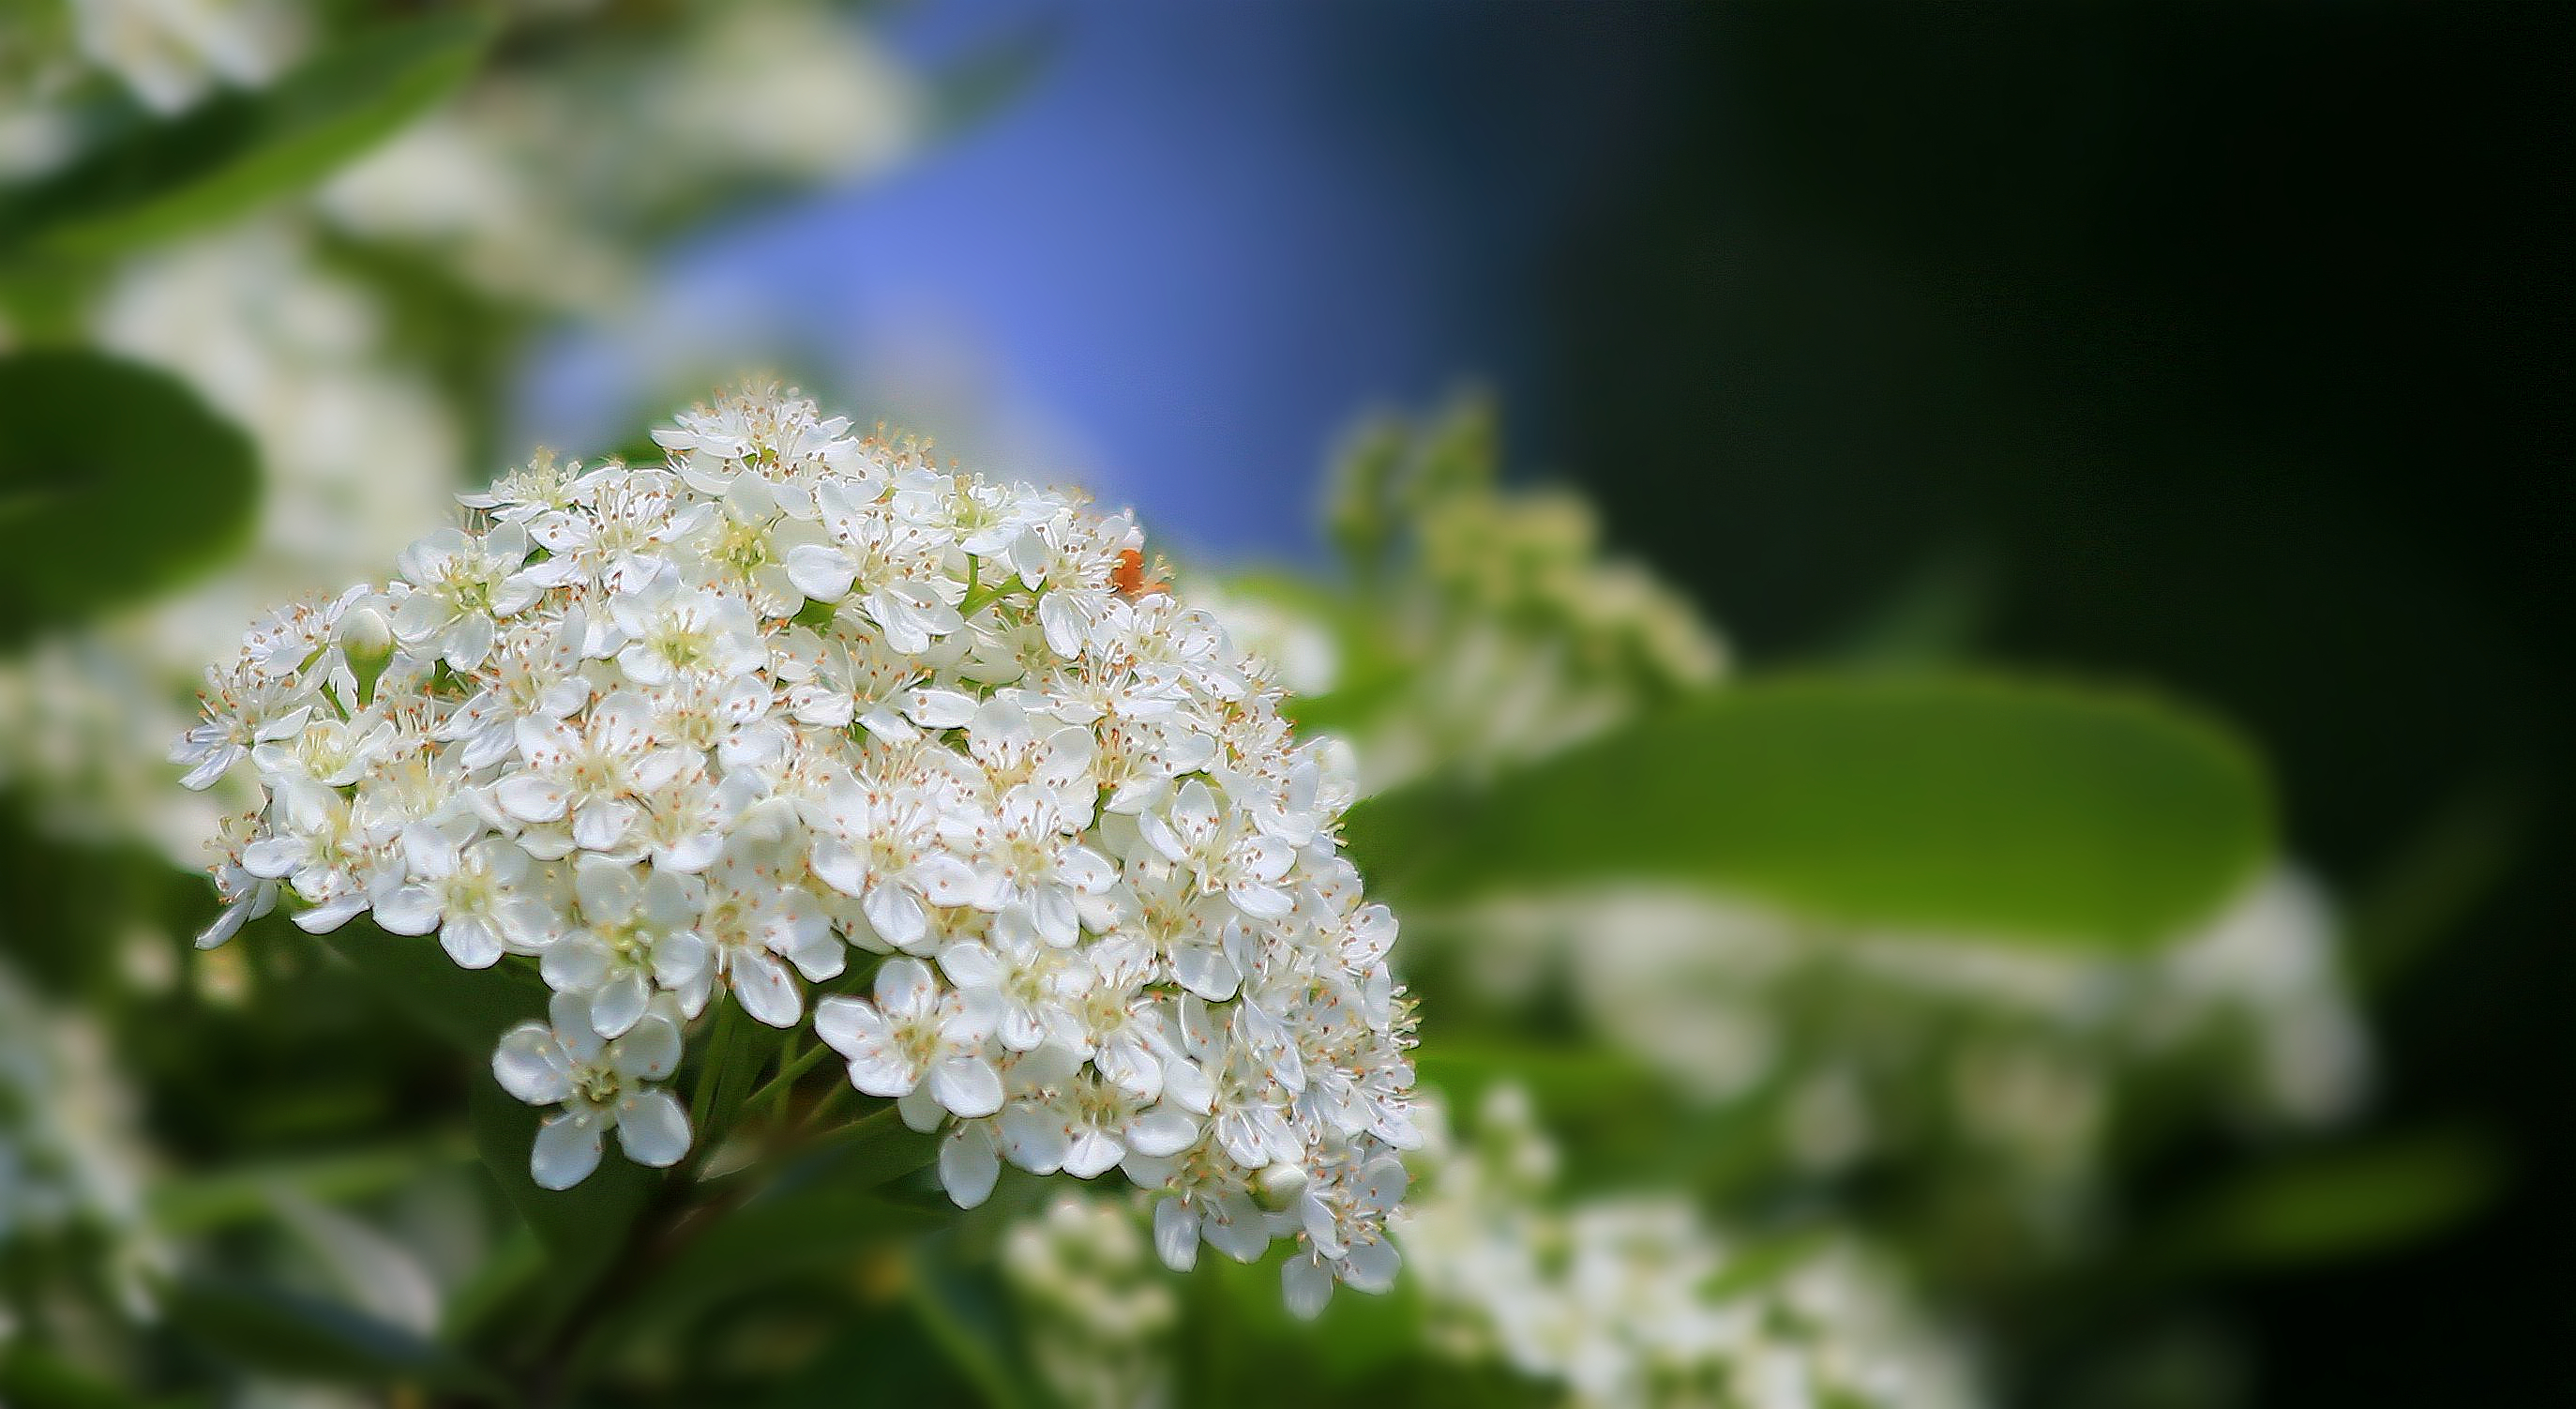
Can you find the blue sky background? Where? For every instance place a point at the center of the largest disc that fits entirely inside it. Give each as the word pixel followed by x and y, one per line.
pixel 1180 263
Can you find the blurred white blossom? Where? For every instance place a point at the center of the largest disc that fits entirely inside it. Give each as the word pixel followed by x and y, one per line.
pixel 1632 1300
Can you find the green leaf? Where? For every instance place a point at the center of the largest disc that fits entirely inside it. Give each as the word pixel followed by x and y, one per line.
pixel 2338 1203
pixel 468 1008
pixel 1977 806
pixel 301 1337
pixel 236 152
pixel 32 1374
pixel 116 484
pixel 198 1203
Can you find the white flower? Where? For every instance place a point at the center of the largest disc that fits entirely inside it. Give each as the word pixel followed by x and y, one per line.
pixel 600 1085
pixel 634 934
pixel 1195 834
pixel 914 1032
pixel 477 901
pixel 242 711
pixel 673 630
pixel 531 676
pixel 593 773
pixel 882 846
pixel 464 583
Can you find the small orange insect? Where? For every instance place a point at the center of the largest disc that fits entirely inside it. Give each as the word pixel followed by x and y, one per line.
pixel 1129 576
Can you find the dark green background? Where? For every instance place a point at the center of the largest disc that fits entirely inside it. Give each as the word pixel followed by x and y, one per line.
pixel 2224 346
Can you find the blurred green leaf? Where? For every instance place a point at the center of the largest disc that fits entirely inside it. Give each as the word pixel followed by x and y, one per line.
pixel 31 1374
pixel 300 1337
pixel 1932 618
pixel 822 1209
pixel 240 150
pixel 1969 806
pixel 2438 879
pixel 467 1008
pixel 760 1243
pixel 196 1203
pixel 118 483
pixel 1358 1336
pixel 969 1315
pixel 2338 1203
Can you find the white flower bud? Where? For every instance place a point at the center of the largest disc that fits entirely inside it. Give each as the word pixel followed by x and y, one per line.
pixel 1279 1185
pixel 366 641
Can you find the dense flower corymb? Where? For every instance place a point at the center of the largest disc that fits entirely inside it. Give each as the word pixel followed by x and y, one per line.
pixel 697 730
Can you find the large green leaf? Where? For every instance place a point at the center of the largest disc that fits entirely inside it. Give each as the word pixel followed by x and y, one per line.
pixel 238 151
pixel 1963 806
pixel 116 483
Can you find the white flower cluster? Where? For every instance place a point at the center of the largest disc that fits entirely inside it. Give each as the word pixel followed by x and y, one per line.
pixel 1098 1315
pixel 1636 1301
pixel 71 1156
pixel 1881 1047
pixel 704 727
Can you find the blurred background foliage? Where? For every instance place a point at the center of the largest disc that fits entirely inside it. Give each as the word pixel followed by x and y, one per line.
pixel 2080 934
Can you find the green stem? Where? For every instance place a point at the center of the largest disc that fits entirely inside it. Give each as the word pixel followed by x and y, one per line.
pixel 710 1076
pixel 789 1070
pixel 832 1100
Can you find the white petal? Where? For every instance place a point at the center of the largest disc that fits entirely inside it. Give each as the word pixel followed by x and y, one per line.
pixel 652 1128
pixel 906 987
pixel 939 709
pixel 1176 1233
pixel 820 573
pixel 1092 1155
pixel 619 1002
pixel 529 1065
pixel 565 1152
pixel 968 1166
pixel 761 986
pixel 331 914
pixel 1162 1132
pixel 849 1025
pixel 882 1072
pixel 1372 1266
pixel 1307 1285
pixel 967 1086
pixel 969 964
pixel 409 910
pixel 921 1115
pixel 576 964
pixel 1035 1138
pixel 841 869
pixel 649 1051
pixel 602 823
pixel 947 880
pixel 894 913
pixel 468 941
pixel 530 797
pixel 1204 969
